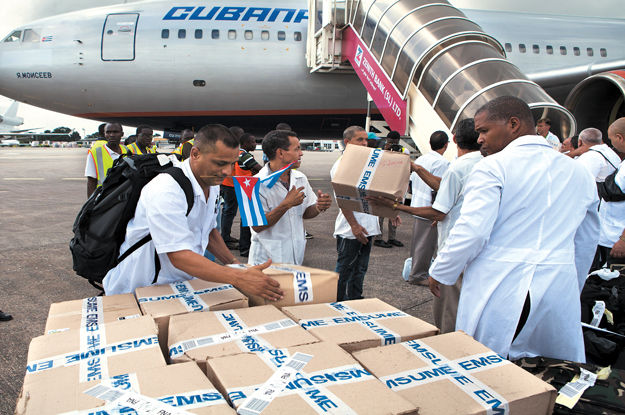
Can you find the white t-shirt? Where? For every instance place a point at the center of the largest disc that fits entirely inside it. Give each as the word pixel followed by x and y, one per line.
pixel 90 170
pixel 596 163
pixel 161 212
pixel 284 242
pixel 612 214
pixel 341 226
pixel 421 192
pixel 553 141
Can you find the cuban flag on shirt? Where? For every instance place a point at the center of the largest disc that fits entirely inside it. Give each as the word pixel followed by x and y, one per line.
pixel 250 206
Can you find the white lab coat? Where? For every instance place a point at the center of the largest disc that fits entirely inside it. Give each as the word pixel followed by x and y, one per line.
pixel 529 222
pixel 284 242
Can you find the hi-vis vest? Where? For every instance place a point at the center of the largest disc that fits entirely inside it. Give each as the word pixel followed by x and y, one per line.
pixel 103 161
pixel 237 171
pixel 135 149
pixel 178 149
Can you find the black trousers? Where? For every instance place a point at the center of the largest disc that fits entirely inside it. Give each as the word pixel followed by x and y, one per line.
pixel 229 212
pixel 602 256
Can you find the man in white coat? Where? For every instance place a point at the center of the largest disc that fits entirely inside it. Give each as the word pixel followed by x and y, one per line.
pixel 524 261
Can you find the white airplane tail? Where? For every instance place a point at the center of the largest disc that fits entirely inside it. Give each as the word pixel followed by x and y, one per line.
pixel 12 110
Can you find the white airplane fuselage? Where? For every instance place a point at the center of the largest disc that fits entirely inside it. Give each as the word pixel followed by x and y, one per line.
pixel 115 63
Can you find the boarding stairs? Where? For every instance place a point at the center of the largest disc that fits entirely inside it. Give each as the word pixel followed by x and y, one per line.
pixel 425 65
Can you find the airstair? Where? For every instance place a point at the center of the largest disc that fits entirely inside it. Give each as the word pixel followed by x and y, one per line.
pixel 425 64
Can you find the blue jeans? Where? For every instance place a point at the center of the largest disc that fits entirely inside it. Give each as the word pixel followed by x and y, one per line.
pixel 351 266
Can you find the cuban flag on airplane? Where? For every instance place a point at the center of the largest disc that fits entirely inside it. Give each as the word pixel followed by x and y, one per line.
pixel 272 179
pixel 46 39
pixel 250 206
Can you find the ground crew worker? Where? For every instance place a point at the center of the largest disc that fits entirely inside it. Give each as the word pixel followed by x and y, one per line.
pixel 186 144
pixel 100 159
pixel 144 139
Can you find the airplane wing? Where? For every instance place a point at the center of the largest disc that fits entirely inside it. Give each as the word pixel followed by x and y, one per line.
pixel 19 134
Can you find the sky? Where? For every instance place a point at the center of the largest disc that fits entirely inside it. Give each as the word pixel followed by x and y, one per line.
pixel 15 13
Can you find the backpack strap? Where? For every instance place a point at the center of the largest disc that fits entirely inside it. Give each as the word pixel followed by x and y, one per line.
pixel 606 159
pixel 184 183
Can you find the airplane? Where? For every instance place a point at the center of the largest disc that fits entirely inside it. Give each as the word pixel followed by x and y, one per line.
pixel 180 64
pixel 9 120
pixel 10 143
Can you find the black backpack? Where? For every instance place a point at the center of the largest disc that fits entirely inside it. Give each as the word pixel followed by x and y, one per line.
pixel 100 227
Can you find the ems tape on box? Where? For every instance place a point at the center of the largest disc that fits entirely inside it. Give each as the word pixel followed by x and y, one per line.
pixel 364 181
pixel 367 320
pixel 458 372
pixel 93 360
pixel 190 299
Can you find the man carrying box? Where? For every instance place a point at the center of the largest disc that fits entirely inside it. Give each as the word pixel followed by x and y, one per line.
pixel 175 252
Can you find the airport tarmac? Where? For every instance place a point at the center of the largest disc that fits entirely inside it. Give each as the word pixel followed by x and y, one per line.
pixel 41 192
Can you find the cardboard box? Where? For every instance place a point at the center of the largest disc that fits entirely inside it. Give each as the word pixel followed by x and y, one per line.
pixel 428 372
pixel 97 352
pixel 366 172
pixel 359 324
pixel 301 285
pixel 183 387
pixel 166 300
pixel 71 315
pixel 200 336
pixel 331 379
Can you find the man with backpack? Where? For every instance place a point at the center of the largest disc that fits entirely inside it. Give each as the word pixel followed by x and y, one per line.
pixel 178 236
pixel 100 158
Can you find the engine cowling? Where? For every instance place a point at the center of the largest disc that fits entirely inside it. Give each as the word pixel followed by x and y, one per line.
pixel 598 100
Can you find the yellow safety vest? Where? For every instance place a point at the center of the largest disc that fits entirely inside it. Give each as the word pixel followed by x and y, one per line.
pixel 135 149
pixel 103 161
pixel 178 149
pixel 98 143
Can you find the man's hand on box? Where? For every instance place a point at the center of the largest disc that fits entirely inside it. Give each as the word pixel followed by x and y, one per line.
pixel 254 281
pixel 295 197
pixel 324 201
pixel 381 201
pixel 360 233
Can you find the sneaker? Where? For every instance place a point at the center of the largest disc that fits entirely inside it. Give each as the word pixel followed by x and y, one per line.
pixel 232 245
pixel 309 235
pixel 382 243
pixel 395 242
pixel 5 316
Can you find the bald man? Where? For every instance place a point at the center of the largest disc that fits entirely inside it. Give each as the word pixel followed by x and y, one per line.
pixel 611 247
pixel 524 262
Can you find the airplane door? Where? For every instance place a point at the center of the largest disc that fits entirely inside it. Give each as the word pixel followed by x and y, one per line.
pixel 118 37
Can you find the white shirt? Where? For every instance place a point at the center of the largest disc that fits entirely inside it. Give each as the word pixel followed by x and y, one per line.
pixel 90 170
pixel 342 227
pixel 553 141
pixel 513 238
pixel 613 214
pixel 597 165
pixel 284 242
pixel 161 212
pixel 421 192
pixel 450 195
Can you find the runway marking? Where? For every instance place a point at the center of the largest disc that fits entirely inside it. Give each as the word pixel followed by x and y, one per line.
pixel 74 178
pixel 23 178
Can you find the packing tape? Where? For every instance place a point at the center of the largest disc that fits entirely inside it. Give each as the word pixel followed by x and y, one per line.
pixel 189 298
pixel 367 320
pixel 92 336
pixel 302 284
pixel 126 382
pixel 143 405
pixel 458 372
pixel 95 358
pixel 313 388
pixel 364 181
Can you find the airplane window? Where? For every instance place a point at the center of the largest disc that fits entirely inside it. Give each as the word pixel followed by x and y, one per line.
pixel 536 48
pixel 521 48
pixel 199 82
pixel 249 35
pixel 30 36
pixel 576 51
pixel 110 32
pixel 508 47
pixel 165 34
pixel 281 35
pixel 298 36
pixel 603 52
pixel 264 35
pixel 549 50
pixel 14 37
pixel 590 52
pixel 232 34
pixel 182 33
pixel 199 33
pixel 215 34
pixel 562 50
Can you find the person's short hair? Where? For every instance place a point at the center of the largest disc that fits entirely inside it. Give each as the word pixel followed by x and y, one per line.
pixel 283 126
pixel 575 141
pixel 245 137
pixel 591 136
pixel 237 131
pixel 545 120
pixel 394 135
pixel 141 128
pixel 131 139
pixel 501 109
pixel 466 136
pixel 208 136
pixel 101 129
pixel 438 139
pixel 276 139
pixel 350 132
pixel 112 122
